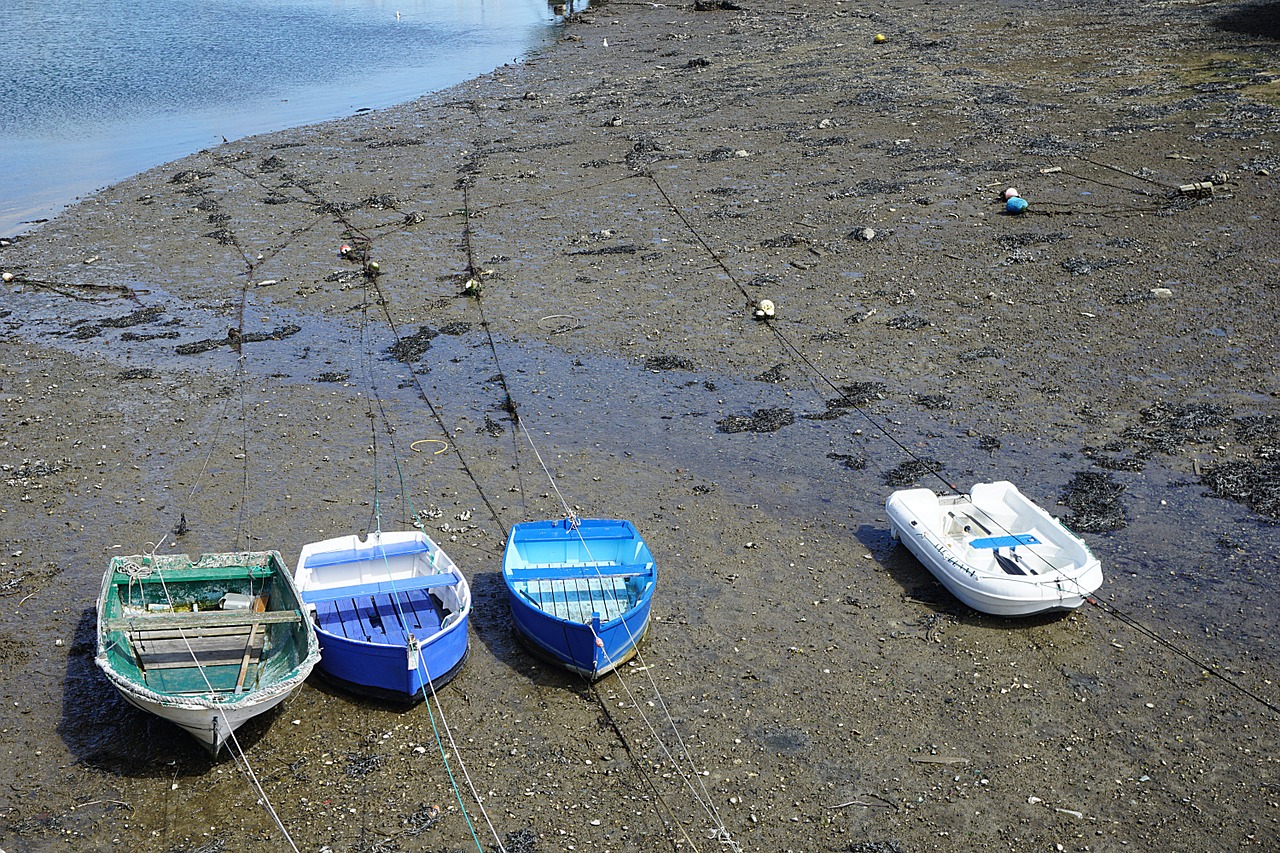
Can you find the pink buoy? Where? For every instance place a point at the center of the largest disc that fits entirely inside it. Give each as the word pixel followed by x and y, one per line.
pixel 1010 193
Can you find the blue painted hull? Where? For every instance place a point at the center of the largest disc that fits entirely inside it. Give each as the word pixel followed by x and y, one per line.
pixel 390 613
pixel 383 671
pixel 580 595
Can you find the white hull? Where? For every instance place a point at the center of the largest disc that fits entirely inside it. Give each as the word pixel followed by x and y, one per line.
pixel 209 723
pixel 995 550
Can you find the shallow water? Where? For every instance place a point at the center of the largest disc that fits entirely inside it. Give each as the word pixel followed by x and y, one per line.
pixel 97 91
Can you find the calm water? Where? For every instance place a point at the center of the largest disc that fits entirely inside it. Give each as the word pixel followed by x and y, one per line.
pixel 93 91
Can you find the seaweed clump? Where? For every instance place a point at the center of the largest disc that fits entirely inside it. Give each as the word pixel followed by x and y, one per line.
pixel 1167 428
pixel 1094 500
pixel 912 471
pixel 412 347
pixel 1254 484
pixel 762 420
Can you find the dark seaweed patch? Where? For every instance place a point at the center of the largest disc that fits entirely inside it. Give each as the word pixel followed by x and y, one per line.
pixel 1094 500
pixel 1254 484
pixel 521 841
pixel 667 362
pixel 457 327
pixel 989 443
pixel 860 394
pixel 621 249
pixel 854 462
pixel 411 348
pixel 911 472
pixel 784 241
pixel 933 402
pixel 908 322
pixel 774 374
pixel 235 338
pixel 135 318
pixel 151 336
pixel 762 420
pixel 1258 428
pixel 1021 241
pixel 1166 428
pixel 359 766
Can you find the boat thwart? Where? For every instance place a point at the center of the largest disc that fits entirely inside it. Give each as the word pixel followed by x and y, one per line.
pixel 580 590
pixel 207 644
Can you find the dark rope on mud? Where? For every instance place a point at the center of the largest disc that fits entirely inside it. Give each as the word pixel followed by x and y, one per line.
pixel 508 399
pixel 1105 606
pixel 371 271
pixel 474 288
pixel 1120 615
pixel 636 762
pixel 789 346
pixel 1118 170
pixel 545 197
pixel 119 291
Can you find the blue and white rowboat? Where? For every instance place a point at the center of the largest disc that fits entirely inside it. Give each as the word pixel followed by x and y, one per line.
pixel 580 591
pixel 390 612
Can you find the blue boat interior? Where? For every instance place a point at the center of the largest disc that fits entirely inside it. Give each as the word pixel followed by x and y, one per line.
pixel 385 618
pixel 602 567
pixel 575 600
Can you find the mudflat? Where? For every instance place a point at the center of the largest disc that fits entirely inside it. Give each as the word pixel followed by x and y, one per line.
pixel 536 294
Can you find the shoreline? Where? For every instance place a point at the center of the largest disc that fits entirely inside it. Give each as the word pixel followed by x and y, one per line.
pixel 54 172
pixel 633 201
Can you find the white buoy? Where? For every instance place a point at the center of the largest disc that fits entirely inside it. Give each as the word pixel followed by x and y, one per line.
pixel 764 309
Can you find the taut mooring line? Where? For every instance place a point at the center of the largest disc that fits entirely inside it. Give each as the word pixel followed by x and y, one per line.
pixel 789 346
pixel 1108 608
pixel 1116 613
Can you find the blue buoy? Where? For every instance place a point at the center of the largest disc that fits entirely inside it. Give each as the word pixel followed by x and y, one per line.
pixel 1017 204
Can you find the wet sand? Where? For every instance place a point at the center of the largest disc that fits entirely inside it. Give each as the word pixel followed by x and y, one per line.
pixel 192 344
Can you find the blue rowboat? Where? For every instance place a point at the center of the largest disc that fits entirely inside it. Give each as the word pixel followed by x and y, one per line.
pixel 390 612
pixel 580 590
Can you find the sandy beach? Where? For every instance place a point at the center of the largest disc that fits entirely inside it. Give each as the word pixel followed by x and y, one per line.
pixel 192 350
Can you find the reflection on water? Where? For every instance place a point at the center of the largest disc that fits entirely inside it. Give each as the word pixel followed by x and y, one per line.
pixel 98 90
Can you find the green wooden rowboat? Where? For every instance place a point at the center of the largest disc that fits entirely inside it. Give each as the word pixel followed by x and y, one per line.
pixel 207 644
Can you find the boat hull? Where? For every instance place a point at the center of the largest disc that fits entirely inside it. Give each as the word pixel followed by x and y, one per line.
pixel 391 613
pixel 995 550
pixel 211 724
pixel 207 671
pixel 580 591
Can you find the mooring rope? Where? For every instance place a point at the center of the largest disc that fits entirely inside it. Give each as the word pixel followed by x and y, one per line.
pixel 375 401
pixel 790 346
pixel 237 753
pixel 718 831
pixel 1209 669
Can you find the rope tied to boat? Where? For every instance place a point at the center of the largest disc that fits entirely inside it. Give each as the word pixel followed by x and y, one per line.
pixel 135 571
